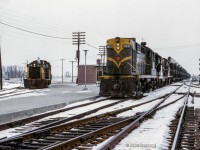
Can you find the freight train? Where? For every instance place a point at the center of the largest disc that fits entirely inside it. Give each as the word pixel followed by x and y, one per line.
pixel 134 68
pixel 38 75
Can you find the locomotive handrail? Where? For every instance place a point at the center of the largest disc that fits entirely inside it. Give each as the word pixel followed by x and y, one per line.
pixel 132 66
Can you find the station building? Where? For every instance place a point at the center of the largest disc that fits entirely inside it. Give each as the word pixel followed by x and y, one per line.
pixel 93 72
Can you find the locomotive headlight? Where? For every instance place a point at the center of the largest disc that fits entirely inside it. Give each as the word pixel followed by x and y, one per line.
pixel 117 46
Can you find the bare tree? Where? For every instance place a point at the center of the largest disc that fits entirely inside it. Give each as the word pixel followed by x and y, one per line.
pixel 12 71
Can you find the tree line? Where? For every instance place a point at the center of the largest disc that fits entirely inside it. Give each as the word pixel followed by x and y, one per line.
pixel 13 71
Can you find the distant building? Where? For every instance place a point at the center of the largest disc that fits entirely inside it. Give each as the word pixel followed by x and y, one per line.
pixel 91 76
pixel 93 72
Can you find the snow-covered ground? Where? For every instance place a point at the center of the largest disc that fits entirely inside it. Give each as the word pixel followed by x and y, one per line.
pixel 12 83
pixel 58 92
pixel 153 133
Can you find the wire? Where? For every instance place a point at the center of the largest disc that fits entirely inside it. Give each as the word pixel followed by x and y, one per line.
pixel 92 46
pixel 63 38
pixel 183 46
pixel 11 15
pixel 15 34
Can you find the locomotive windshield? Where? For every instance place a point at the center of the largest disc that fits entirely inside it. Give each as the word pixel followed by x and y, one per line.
pixel 34 72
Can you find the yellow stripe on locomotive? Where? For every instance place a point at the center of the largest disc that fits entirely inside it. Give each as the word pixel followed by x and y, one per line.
pixel 118 44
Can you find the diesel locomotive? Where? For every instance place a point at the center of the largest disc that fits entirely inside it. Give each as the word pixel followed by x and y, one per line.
pixel 38 74
pixel 134 68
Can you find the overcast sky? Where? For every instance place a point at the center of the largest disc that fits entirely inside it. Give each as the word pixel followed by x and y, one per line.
pixel 170 27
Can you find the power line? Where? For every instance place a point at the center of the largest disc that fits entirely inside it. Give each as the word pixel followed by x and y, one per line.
pixel 12 15
pixel 45 35
pixel 23 35
pixel 92 46
pixel 32 23
pixel 181 46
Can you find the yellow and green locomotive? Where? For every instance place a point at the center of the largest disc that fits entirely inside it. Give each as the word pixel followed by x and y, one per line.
pixel 134 68
pixel 121 75
pixel 38 74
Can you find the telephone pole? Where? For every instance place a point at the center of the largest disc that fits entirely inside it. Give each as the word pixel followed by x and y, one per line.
pixel 72 69
pixel 78 39
pixel 85 88
pixel 101 64
pixel 1 83
pixel 102 52
pixel 62 68
pixel 199 69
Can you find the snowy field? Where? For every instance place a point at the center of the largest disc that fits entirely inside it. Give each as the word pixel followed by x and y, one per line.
pixel 152 133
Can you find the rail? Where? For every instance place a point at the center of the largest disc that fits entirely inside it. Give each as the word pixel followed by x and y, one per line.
pixel 40 116
pixel 180 123
pixel 42 131
pixel 117 138
pixel 67 135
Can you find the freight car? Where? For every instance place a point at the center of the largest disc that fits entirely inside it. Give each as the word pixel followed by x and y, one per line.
pixel 38 74
pixel 134 68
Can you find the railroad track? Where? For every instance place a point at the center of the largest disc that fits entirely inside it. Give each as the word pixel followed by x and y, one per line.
pixel 182 128
pixel 13 92
pixel 81 133
pixel 43 115
pixel 24 121
pixel 57 120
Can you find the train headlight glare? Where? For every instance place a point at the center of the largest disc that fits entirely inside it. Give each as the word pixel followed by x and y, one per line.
pixel 117 48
